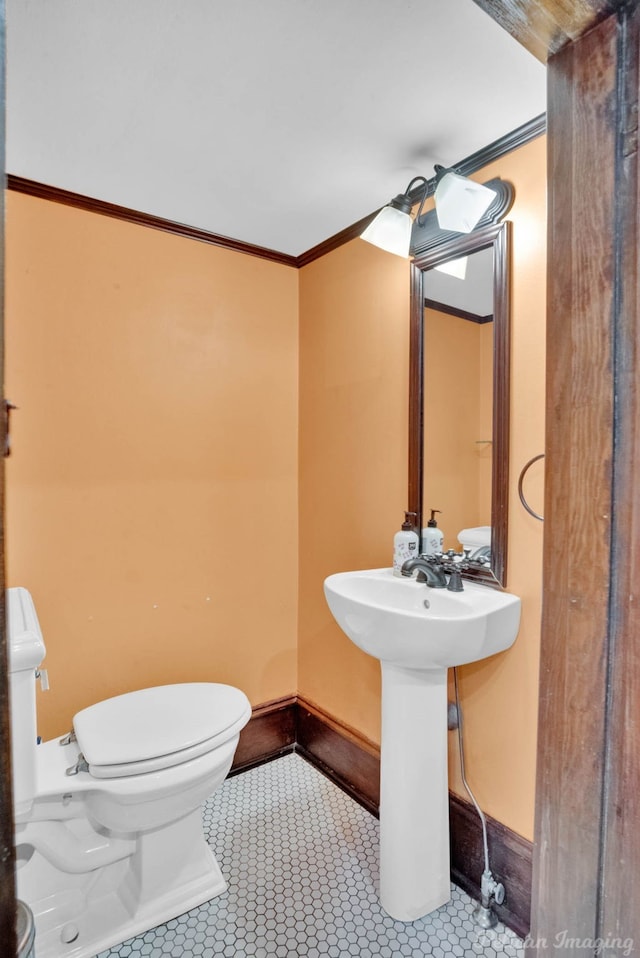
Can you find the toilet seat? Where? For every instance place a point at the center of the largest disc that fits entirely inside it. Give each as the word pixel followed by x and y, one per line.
pixel 156 728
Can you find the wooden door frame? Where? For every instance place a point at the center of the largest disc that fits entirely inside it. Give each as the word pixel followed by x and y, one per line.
pixel 7 853
pixel 586 880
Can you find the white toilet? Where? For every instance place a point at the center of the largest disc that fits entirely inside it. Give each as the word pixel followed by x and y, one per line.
pixel 109 839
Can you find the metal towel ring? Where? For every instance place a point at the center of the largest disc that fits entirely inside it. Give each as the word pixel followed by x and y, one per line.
pixel 521 494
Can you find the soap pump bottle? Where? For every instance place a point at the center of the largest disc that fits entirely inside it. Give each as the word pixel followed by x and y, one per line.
pixel 432 537
pixel 405 544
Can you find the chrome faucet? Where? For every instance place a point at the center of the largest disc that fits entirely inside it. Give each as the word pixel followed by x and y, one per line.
pixel 429 569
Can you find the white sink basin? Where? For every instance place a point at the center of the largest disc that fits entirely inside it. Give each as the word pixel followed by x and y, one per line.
pixel 388 617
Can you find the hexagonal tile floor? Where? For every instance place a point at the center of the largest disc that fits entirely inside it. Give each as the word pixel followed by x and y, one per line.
pixel 301 861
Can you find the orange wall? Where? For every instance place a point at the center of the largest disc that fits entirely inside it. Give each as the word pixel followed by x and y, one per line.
pixel 354 318
pixel 152 489
pixel 354 348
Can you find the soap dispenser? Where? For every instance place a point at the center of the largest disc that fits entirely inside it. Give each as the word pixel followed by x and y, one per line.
pixel 405 544
pixel 432 537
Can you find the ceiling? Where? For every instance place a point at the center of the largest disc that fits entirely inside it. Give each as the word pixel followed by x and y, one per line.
pixel 277 123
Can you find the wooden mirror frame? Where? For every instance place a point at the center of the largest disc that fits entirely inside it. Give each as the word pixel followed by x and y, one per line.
pixel 496 235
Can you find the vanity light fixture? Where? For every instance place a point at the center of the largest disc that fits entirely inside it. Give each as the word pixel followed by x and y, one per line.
pixel 391 228
pixel 460 204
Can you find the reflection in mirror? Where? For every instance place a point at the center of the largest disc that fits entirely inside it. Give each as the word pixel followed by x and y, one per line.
pixel 458 399
pixel 459 394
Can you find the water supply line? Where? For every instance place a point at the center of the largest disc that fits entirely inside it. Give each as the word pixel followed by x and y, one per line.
pixel 490 890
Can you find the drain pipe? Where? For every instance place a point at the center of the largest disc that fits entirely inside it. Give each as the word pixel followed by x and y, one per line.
pixel 490 890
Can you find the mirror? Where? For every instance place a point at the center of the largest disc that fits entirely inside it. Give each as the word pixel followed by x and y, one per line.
pixel 459 387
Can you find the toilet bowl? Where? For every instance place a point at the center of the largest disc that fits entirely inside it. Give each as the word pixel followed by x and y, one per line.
pixel 108 826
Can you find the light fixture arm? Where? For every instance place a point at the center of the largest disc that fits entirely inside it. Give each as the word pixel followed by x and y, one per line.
pixel 441 171
pixel 404 202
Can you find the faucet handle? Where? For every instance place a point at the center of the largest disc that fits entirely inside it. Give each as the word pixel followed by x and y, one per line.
pixel 452 557
pixel 455 581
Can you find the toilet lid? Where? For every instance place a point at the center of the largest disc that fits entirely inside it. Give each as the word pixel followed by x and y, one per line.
pixel 156 722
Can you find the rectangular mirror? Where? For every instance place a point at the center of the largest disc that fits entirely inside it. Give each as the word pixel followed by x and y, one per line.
pixel 459 393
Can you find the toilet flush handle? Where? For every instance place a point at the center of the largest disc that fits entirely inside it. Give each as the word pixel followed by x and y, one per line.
pixel 43 675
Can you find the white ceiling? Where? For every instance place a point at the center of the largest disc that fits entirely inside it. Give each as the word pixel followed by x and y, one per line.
pixel 273 122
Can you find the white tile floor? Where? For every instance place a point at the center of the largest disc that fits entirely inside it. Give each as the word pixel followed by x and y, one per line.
pixel 301 861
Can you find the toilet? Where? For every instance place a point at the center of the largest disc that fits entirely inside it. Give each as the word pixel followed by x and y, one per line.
pixel 108 824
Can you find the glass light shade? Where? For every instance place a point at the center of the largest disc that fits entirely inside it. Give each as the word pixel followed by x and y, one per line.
pixel 461 203
pixel 391 231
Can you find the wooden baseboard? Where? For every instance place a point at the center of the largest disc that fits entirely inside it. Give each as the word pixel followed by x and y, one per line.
pixel 270 733
pixel 346 757
pixel 353 763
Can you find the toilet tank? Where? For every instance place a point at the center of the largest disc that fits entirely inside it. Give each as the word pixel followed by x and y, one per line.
pixel 26 652
pixel 26 645
pixel 477 540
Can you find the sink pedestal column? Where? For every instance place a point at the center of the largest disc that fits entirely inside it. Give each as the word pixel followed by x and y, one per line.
pixel 414 793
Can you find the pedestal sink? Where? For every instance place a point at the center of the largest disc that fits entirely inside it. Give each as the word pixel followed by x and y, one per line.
pixel 417 633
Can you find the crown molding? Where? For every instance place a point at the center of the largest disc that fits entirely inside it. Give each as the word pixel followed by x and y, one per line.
pixel 476 161
pixel 52 193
